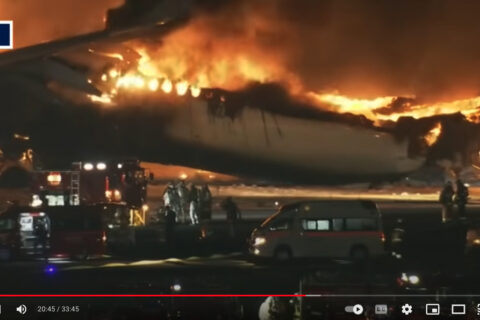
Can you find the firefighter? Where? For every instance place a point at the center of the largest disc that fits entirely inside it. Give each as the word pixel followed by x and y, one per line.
pixel 171 199
pixel 194 204
pixel 461 198
pixel 41 236
pixel 233 214
pixel 205 203
pixel 183 196
pixel 170 221
pixel 446 199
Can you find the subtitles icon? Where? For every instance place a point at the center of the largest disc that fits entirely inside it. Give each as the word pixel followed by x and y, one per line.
pixel 432 309
pixel 22 309
pixel 381 309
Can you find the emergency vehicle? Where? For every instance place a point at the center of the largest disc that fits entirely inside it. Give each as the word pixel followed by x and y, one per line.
pixel 90 183
pixel 74 212
pixel 68 231
pixel 321 228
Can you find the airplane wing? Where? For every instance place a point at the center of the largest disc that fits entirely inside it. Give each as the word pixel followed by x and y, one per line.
pixel 71 61
pixel 16 57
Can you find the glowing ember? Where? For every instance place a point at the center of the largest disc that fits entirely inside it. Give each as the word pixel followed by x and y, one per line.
pixel 167 86
pixel 129 81
pixel 181 87
pixel 104 98
pixel 113 73
pixel 104 77
pixel 153 84
pixel 195 91
pixel 139 82
pixel 107 54
pixel 432 136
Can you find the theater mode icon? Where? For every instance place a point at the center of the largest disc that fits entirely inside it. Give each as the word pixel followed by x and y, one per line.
pixel 458 309
pixel 6 34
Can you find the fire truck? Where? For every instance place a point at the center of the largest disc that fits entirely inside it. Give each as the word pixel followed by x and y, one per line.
pixel 89 183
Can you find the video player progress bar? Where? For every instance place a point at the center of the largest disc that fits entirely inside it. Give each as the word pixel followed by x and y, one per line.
pixel 391 295
pixel 144 295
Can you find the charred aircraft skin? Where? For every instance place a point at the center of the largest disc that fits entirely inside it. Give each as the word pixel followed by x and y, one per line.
pixel 167 134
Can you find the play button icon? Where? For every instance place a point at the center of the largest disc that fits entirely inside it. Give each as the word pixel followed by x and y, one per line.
pixel 357 309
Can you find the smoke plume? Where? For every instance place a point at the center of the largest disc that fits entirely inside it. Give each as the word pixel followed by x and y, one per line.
pixel 426 49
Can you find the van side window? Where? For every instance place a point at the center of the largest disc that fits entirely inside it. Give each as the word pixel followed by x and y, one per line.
pixel 360 224
pixel 337 224
pixel 6 224
pixel 316 225
pixel 281 224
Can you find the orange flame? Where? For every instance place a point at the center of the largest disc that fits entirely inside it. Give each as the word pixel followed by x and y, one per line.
pixel 432 136
pixel 369 108
pixel 181 87
pixel 189 55
pixel 167 86
pixel 153 84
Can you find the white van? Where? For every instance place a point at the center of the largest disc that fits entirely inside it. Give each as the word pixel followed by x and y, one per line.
pixel 321 228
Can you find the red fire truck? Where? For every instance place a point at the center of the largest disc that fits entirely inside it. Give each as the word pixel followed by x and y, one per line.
pixel 92 183
pixel 74 212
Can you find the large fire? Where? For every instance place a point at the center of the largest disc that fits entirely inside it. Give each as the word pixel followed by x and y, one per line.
pixel 153 77
pixel 186 61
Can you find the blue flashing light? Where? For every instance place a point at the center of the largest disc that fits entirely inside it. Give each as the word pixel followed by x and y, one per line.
pixel 50 269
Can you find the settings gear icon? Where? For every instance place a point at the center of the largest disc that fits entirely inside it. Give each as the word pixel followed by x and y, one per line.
pixel 407 309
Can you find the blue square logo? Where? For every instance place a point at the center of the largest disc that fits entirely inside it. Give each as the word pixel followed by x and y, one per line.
pixel 6 34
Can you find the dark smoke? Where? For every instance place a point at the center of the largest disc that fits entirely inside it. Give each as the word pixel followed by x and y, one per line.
pixel 428 48
pixel 398 105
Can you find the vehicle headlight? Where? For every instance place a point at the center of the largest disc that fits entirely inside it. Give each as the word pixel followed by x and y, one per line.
pixel 259 241
pixel 176 287
pixel 410 278
pixel 413 279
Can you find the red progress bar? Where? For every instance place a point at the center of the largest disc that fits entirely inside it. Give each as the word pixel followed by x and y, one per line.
pixel 143 295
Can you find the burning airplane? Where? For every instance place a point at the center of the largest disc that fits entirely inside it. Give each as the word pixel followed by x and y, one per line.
pixel 164 82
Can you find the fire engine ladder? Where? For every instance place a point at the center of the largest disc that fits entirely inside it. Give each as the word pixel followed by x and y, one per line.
pixel 75 184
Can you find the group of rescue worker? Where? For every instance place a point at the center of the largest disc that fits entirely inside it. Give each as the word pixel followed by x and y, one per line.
pixel 192 205
pixel 450 196
pixel 187 205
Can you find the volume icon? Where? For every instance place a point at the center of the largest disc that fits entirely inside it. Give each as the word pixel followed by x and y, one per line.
pixel 22 309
